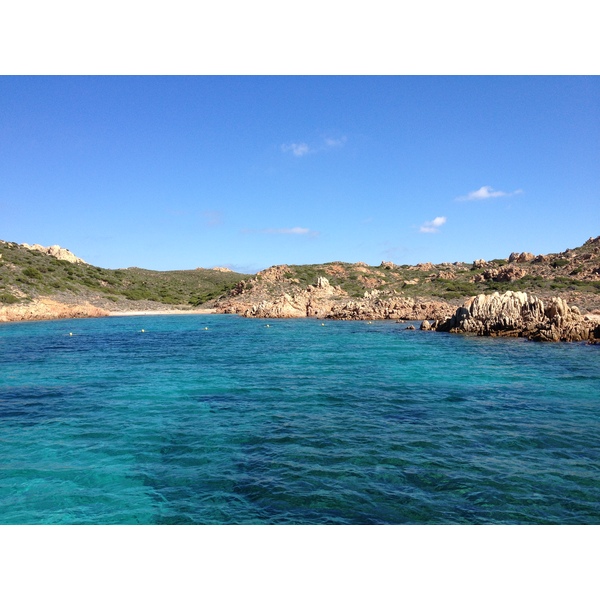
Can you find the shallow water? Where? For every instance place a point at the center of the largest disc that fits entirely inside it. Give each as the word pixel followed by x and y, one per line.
pixel 292 423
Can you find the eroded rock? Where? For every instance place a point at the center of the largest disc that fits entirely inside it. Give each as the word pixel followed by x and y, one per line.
pixel 56 251
pixel 519 314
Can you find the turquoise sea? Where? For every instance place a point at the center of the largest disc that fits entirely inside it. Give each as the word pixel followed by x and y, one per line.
pixel 218 419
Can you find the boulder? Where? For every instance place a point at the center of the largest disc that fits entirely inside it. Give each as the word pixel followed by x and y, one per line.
pixel 519 314
pixel 520 257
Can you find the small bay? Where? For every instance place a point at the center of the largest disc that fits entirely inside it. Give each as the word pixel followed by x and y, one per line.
pixel 215 419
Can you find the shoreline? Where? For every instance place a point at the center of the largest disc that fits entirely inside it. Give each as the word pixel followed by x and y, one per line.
pixel 175 311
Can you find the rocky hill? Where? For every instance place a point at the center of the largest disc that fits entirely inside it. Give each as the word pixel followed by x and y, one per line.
pixel 359 291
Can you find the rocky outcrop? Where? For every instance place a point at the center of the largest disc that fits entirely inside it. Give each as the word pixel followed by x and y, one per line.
pixel 56 251
pixel 46 309
pixel 314 301
pixel 324 301
pixel 520 258
pixel 505 273
pixel 398 308
pixel 273 274
pixel 518 314
pixel 285 307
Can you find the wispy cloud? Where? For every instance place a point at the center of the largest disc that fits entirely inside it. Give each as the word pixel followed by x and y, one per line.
pixel 300 149
pixel 432 226
pixel 299 231
pixel 335 142
pixel 296 149
pixel 485 192
pixel 292 231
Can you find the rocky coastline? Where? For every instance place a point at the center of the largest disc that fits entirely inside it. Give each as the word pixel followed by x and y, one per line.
pixel 519 314
pixel 43 309
pixel 535 297
pixel 511 314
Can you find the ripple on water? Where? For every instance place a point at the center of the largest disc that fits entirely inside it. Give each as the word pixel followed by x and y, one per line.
pixel 294 423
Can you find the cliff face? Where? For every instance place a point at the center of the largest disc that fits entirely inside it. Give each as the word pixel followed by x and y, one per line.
pixel 518 314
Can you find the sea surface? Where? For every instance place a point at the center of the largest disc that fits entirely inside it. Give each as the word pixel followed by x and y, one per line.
pixel 216 419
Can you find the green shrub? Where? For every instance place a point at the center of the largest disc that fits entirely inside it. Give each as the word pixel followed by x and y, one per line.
pixel 32 273
pixel 6 298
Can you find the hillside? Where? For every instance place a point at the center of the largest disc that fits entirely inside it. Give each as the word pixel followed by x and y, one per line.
pixel 573 274
pixel 27 273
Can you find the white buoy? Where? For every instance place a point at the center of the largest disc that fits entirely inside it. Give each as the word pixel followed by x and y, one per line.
pixel 206 329
pixel 70 333
pixel 143 330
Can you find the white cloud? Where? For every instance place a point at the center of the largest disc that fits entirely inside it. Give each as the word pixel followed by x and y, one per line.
pixel 292 231
pixel 296 149
pixel 302 148
pixel 335 142
pixel 487 191
pixel 432 226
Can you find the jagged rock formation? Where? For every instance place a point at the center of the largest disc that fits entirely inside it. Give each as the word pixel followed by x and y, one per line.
pixel 314 301
pixel 45 309
pixel 518 314
pixel 398 308
pixel 57 252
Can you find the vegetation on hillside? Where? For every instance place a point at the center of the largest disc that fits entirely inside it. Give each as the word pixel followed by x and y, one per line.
pixel 26 274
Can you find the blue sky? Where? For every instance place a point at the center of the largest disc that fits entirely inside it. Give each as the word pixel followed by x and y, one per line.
pixel 247 172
